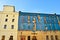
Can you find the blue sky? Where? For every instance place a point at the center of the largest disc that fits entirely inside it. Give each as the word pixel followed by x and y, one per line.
pixel 43 6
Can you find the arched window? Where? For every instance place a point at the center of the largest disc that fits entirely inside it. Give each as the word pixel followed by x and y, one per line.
pixel 11 38
pixel 34 38
pixel 39 18
pixel 56 37
pixel 52 37
pixel 28 37
pixel 45 19
pixel 47 37
pixel 3 37
pixel 13 20
pixel 6 20
pixel 6 15
pixel 12 26
pixel 5 26
pixel 23 37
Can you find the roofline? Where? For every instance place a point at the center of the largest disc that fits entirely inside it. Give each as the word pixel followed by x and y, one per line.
pixel 39 13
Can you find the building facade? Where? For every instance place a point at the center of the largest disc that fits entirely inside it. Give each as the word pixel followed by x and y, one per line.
pixel 8 23
pixel 38 26
pixel 28 26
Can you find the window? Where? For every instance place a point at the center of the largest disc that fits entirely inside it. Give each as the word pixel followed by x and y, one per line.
pixel 5 26
pixel 22 19
pixel 6 20
pixel 38 18
pixel 11 38
pixel 44 19
pixel 3 37
pixel 52 37
pixel 28 37
pixel 34 20
pixel 13 20
pixel 28 19
pixel 34 38
pixel 47 38
pixel 23 37
pixel 12 26
pixel 6 15
pixel 56 37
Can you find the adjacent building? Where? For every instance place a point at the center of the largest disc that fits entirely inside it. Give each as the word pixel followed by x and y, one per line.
pixel 28 26
pixel 8 23
pixel 38 26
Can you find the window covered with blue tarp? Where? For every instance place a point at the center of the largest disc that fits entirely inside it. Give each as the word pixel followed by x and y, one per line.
pixel 51 21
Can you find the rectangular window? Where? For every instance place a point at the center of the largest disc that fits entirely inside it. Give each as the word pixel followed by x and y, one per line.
pixel 45 19
pixel 52 37
pixel 6 20
pixel 28 37
pixel 56 37
pixel 6 15
pixel 34 38
pixel 28 19
pixel 38 18
pixel 12 26
pixel 23 38
pixel 13 20
pixel 5 26
pixel 3 37
pixel 47 37
pixel 23 19
pixel 11 38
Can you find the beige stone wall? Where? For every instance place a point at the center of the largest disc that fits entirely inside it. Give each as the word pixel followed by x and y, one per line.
pixel 8 8
pixel 40 35
pixel 8 31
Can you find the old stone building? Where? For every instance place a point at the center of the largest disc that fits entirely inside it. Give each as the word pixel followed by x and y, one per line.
pixel 8 23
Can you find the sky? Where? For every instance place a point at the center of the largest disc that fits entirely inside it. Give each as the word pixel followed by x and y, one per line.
pixel 41 6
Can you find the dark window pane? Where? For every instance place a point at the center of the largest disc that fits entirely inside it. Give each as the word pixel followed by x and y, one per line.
pixel 5 26
pixel 28 37
pixel 47 38
pixel 34 38
pixel 23 38
pixel 6 15
pixel 56 37
pixel 3 37
pixel 12 26
pixel 6 20
pixel 13 20
pixel 52 37
pixel 11 38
